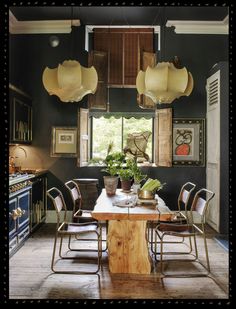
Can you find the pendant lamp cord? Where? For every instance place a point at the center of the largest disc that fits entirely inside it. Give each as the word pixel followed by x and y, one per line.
pixel 156 18
pixel 72 41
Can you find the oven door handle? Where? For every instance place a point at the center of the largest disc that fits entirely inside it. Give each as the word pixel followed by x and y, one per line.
pixel 16 213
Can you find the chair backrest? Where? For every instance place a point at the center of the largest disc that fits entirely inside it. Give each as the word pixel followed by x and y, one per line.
pixel 200 203
pixel 58 201
pixel 75 194
pixel 184 195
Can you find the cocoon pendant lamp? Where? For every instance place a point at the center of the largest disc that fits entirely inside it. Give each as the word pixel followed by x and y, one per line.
pixel 164 83
pixel 70 81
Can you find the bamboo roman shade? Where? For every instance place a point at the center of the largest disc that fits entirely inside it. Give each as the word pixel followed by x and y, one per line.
pixel 123 46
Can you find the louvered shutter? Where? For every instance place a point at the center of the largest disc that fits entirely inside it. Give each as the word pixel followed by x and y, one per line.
pixel 99 60
pixel 122 46
pixel 163 137
pixel 213 148
pixel 83 137
pixel 146 59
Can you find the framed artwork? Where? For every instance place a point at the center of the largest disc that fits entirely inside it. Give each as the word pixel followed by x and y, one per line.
pixel 188 142
pixel 64 142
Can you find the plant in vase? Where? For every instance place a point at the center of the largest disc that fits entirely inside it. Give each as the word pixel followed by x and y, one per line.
pixel 138 176
pixel 113 163
pixel 126 177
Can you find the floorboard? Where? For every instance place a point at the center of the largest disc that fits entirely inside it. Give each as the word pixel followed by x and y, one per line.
pixel 30 276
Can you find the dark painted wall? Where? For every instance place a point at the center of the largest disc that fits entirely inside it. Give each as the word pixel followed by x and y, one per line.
pixel 30 54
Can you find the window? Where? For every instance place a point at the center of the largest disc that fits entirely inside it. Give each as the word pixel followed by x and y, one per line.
pixel 96 131
pixel 106 130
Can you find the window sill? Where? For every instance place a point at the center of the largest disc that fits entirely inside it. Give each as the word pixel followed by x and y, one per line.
pixel 144 164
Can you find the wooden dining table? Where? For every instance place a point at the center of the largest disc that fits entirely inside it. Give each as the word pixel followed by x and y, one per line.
pixel 127 237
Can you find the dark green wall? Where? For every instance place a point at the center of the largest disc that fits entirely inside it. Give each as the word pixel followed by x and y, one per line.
pixel 30 54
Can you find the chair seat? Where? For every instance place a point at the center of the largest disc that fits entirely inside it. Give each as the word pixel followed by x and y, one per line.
pixel 84 216
pixel 73 228
pixel 176 229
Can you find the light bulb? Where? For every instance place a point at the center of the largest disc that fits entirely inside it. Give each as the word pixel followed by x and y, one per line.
pixel 54 41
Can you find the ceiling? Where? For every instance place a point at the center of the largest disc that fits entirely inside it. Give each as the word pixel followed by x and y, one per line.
pixel 120 15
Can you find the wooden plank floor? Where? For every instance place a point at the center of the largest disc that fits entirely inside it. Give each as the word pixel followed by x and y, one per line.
pixel 30 276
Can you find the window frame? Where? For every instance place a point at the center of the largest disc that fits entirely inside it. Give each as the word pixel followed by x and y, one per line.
pixel 127 115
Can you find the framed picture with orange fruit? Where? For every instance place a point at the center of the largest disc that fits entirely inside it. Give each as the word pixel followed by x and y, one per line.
pixel 188 142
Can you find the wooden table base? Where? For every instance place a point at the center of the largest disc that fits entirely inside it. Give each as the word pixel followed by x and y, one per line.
pixel 127 247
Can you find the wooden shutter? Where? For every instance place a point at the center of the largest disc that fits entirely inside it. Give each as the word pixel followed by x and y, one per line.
pixel 122 46
pixel 163 137
pixel 213 149
pixel 99 60
pixel 130 58
pixel 83 137
pixel 146 59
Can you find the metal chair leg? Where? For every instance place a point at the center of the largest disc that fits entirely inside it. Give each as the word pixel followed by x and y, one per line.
pixel 184 260
pixel 53 253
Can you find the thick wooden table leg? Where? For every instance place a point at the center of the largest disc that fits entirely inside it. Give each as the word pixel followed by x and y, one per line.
pixel 128 248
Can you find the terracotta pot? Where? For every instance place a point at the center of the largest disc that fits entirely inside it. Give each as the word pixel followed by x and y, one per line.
pixel 125 185
pixel 110 183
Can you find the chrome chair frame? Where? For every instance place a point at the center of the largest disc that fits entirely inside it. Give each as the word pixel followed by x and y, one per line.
pixel 82 229
pixel 181 216
pixel 200 206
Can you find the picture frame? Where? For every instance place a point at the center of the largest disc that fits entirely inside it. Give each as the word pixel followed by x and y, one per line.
pixel 188 145
pixel 64 142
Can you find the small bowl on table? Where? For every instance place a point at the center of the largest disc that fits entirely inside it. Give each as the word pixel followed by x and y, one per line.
pixel 146 195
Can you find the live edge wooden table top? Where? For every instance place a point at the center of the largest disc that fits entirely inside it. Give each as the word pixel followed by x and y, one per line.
pixel 127 241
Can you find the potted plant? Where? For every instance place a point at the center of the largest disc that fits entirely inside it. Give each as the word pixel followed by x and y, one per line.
pixel 126 177
pixel 113 163
pixel 138 176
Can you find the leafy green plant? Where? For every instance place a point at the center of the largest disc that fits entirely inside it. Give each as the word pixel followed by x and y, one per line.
pixel 113 163
pixel 136 171
pixel 125 174
pixel 153 185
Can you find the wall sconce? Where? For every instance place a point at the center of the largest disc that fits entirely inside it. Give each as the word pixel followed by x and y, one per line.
pixel 164 83
pixel 70 81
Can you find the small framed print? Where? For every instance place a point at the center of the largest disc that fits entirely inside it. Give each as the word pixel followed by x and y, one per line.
pixel 188 142
pixel 64 142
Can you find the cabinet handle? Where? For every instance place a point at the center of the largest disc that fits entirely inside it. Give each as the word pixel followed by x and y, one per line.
pixel 16 213
pixel 20 211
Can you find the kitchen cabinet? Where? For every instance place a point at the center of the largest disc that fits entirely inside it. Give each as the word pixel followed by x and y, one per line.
pixel 27 207
pixel 38 203
pixel 19 208
pixel 20 116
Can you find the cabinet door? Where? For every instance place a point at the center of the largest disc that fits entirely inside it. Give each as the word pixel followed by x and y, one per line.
pixel 23 204
pixel 20 116
pixel 12 221
pixel 38 206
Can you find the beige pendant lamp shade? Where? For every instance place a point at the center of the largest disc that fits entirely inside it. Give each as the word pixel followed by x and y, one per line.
pixel 70 81
pixel 164 83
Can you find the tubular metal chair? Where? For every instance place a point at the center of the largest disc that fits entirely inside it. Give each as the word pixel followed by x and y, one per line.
pixel 180 214
pixel 65 228
pixel 190 229
pixel 79 214
pixel 82 215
